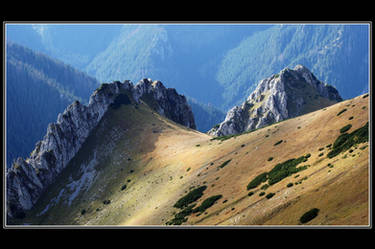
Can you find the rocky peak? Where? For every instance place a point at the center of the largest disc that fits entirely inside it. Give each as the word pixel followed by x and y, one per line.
pixel 290 93
pixel 166 101
pixel 28 178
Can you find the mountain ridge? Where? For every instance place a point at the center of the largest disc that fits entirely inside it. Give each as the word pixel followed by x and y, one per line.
pixel 27 179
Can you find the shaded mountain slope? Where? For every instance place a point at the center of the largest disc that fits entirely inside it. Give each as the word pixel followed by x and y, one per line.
pixel 29 178
pixel 37 89
pixel 205 115
pixel 138 165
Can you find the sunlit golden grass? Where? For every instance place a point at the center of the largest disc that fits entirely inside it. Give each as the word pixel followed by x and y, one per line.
pixel 167 163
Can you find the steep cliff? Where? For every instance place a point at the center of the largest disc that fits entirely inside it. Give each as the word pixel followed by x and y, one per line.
pixel 290 93
pixel 28 178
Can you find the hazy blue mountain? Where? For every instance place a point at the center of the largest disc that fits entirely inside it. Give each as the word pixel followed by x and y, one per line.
pixel 25 35
pixel 213 63
pixel 205 115
pixel 74 44
pixel 336 54
pixel 37 89
pixel 221 64
pixel 138 52
pixel 185 57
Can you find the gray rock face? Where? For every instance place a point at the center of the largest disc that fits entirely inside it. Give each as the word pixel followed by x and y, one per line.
pixel 290 93
pixel 168 102
pixel 27 179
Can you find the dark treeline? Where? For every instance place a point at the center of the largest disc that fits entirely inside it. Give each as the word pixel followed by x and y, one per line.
pixel 38 88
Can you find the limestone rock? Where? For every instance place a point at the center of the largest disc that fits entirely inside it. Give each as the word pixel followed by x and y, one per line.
pixel 27 179
pixel 288 94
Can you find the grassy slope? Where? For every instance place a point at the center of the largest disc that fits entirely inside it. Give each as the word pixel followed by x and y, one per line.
pixel 162 152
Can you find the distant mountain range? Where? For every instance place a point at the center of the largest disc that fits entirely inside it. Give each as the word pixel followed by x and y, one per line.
pixel 336 54
pixel 217 64
pixel 75 44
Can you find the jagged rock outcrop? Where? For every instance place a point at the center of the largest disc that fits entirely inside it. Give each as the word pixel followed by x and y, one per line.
pixel 28 178
pixel 168 102
pixel 290 93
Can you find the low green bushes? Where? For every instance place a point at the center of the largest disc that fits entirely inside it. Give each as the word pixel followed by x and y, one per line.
pixel 363 147
pixel 257 181
pixel 192 196
pixel 279 142
pixel 270 195
pixel 265 186
pixel 180 217
pixel 223 138
pixel 207 203
pixel 342 111
pixel 285 169
pixel 309 215
pixel 224 163
pixel 346 140
pixel 345 128
pixel 279 172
